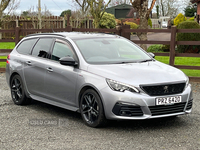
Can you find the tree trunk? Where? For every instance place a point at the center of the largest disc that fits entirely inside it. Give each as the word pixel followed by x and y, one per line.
pixel 143 13
pixel 143 35
pixel 96 23
pixel 163 13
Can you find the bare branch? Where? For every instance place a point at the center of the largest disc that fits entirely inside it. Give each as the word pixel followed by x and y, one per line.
pixel 13 5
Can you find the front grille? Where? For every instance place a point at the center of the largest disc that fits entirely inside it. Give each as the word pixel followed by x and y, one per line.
pixel 165 89
pixel 189 105
pixel 167 109
pixel 127 110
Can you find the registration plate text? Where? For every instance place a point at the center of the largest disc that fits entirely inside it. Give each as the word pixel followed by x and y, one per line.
pixel 168 100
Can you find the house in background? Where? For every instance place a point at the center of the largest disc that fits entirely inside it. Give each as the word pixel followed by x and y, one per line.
pixel 122 11
pixel 198 8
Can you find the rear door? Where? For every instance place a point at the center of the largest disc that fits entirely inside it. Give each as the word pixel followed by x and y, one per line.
pixel 60 80
pixel 34 69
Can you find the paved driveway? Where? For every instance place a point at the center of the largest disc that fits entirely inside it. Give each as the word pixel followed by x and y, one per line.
pixel 41 126
pixel 155 37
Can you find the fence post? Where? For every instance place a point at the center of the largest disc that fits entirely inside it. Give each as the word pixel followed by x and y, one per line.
pixel 69 28
pixel 17 35
pixel 172 46
pixel 118 28
pixel 64 22
pixel 125 34
pixel 17 22
pixel 0 34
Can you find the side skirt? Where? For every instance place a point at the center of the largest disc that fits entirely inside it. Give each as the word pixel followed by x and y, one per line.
pixel 41 99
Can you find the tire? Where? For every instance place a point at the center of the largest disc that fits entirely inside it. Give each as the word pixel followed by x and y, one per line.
pixel 17 91
pixel 91 109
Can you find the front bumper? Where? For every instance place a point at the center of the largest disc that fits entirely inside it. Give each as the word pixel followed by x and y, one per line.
pixel 140 106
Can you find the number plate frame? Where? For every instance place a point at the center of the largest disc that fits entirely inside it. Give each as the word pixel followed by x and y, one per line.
pixel 168 100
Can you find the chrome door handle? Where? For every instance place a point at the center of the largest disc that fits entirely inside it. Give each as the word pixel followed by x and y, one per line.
pixel 49 69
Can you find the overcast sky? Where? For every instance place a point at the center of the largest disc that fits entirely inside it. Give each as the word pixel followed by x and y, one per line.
pixel 55 6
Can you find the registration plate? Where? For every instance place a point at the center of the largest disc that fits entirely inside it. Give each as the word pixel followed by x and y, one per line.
pixel 168 100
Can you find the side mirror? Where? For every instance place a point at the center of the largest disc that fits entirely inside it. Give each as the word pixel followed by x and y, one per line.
pixel 152 55
pixel 68 61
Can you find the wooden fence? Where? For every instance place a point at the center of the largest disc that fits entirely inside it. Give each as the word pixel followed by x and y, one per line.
pixel 51 22
pixel 11 23
pixel 125 32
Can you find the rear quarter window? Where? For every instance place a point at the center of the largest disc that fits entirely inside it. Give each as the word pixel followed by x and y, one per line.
pixel 26 46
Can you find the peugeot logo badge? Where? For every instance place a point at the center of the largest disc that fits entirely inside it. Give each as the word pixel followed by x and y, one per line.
pixel 166 89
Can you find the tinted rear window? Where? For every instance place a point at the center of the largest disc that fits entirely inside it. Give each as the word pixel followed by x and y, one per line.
pixel 42 47
pixel 26 46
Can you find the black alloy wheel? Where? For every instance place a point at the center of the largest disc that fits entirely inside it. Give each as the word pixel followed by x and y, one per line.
pixel 91 108
pixel 17 91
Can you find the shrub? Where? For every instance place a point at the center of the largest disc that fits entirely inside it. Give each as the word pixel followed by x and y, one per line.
pixel 191 19
pixel 107 21
pixel 165 48
pixel 132 25
pixel 172 22
pixel 155 48
pixel 150 22
pixel 118 22
pixel 136 21
pixel 179 18
pixel 188 37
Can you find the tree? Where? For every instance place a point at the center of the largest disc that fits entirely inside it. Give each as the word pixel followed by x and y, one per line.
pixel 107 21
pixel 118 2
pixel 66 12
pixel 189 11
pixel 25 13
pixel 4 4
pixel 32 13
pixel 179 18
pixel 9 5
pixel 157 11
pixel 84 6
pixel 171 7
pixel 141 6
pixel 97 9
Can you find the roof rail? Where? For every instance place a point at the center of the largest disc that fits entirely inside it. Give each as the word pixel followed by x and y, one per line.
pixel 108 33
pixel 45 34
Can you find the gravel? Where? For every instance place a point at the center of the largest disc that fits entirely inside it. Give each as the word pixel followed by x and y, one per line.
pixel 42 126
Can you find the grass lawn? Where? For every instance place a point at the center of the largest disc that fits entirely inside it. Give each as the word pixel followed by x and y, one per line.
pixel 7 45
pixel 3 64
pixel 187 61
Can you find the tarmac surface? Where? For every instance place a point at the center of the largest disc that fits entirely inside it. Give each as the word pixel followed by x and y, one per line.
pixel 41 126
pixel 155 37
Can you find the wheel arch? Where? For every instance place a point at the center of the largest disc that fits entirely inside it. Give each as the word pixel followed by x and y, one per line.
pixel 86 87
pixel 16 73
pixel 12 75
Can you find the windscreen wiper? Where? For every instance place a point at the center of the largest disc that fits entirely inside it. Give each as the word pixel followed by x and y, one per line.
pixel 145 60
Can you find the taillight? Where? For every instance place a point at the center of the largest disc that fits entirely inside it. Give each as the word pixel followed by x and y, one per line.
pixel 8 56
pixel 8 59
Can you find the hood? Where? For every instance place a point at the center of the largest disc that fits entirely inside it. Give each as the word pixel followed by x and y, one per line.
pixel 136 74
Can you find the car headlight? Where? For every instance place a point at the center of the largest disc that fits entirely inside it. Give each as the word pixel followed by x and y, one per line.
pixel 121 87
pixel 187 81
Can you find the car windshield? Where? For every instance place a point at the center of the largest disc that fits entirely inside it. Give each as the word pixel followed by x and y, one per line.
pixel 110 50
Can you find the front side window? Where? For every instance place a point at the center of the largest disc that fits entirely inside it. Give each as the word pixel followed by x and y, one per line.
pixel 26 46
pixel 42 47
pixel 61 50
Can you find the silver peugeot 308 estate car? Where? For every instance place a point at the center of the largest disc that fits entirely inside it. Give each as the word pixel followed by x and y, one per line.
pixel 99 75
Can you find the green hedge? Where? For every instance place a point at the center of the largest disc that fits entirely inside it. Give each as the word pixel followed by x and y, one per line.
pixel 188 37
